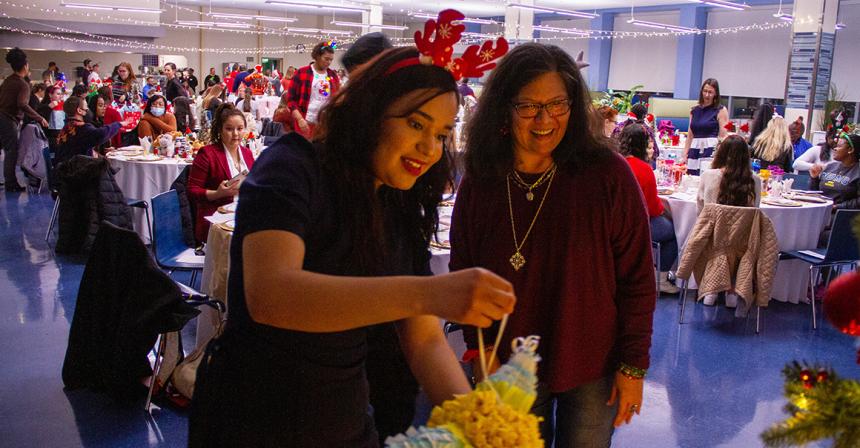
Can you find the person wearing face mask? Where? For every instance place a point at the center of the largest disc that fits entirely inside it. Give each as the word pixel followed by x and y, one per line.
pixel 330 244
pixel 78 136
pixel 155 120
pixel 219 168
pixel 707 126
pixel 311 87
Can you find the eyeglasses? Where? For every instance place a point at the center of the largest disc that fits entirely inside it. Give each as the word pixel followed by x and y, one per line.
pixel 554 108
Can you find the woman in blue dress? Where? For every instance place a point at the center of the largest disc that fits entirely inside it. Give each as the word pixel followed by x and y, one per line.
pixel 707 126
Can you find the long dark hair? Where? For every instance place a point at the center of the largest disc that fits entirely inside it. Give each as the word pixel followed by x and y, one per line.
pixel 348 135
pixel 634 141
pixel 737 186
pixel 222 113
pixel 832 135
pixel 489 145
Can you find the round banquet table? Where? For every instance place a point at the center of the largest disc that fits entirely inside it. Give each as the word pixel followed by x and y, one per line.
pixel 216 264
pixel 143 180
pixel 797 228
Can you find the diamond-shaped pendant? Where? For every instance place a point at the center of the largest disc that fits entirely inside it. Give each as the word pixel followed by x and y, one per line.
pixel 530 196
pixel 517 261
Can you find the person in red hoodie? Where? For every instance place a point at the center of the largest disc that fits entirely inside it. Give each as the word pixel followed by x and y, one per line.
pixel 634 146
pixel 220 167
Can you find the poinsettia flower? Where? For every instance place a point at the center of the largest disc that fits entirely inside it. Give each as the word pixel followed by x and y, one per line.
pixel 730 126
pixel 745 127
pixel 845 128
pixel 650 118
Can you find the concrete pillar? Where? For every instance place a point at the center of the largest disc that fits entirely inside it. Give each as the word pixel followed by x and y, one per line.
pixel 811 60
pixel 374 16
pixel 691 53
pixel 519 22
pixel 600 52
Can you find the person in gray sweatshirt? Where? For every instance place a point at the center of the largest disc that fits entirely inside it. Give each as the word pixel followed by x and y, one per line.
pixel 840 179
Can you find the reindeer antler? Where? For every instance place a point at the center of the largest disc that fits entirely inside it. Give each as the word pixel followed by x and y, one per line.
pixel 436 46
pixel 473 63
pixel 444 35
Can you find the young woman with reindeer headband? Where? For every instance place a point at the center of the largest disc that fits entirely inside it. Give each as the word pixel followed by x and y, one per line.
pixel 331 245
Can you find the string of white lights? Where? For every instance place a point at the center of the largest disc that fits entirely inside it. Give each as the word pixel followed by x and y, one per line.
pixel 315 37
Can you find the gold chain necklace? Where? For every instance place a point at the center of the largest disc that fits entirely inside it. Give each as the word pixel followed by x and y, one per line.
pixel 517 260
pixel 529 187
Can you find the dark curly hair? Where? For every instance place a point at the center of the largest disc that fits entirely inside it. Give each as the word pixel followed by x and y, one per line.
pixel 348 135
pixel 321 48
pixel 737 186
pixel 490 150
pixel 634 141
pixel 16 58
pixel 222 113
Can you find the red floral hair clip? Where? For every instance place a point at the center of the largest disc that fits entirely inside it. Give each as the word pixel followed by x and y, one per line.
pixel 436 45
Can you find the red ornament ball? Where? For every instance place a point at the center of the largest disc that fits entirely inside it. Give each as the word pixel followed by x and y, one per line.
pixel 842 303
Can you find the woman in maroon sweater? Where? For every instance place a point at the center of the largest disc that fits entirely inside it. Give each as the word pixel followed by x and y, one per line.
pixel 634 141
pixel 546 204
pixel 219 168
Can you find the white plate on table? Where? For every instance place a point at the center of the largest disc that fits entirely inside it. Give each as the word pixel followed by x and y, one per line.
pixel 781 202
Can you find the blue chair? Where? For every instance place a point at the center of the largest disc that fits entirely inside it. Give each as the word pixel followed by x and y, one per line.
pixel 841 251
pixel 141 204
pixel 801 181
pixel 171 252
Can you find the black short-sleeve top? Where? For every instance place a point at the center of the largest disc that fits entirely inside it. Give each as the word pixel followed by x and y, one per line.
pixel 287 189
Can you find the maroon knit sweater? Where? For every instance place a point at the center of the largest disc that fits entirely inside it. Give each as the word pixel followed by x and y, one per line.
pixel 587 287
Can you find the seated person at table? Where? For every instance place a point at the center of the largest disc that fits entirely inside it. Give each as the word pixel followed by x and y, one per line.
pixel 800 144
pixel 218 168
pixel 840 179
pixel 96 103
pixel 213 98
pixel 819 154
pixel 634 142
pixel 283 114
pixel 773 146
pixel 156 120
pixel 730 181
pixel 78 136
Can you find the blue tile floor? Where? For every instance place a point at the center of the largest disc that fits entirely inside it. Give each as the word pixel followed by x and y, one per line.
pixel 713 382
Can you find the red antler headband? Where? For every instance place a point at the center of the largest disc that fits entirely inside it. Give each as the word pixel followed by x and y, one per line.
pixel 439 51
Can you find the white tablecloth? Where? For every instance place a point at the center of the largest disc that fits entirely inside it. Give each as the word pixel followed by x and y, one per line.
pixel 217 263
pixel 797 228
pixel 143 180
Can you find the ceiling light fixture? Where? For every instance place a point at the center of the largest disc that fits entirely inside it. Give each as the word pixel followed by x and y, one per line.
pixel 318 31
pixel 552 29
pixel 662 26
pixel 111 8
pixel 424 15
pixel 724 4
pixel 318 5
pixel 199 23
pixel 362 25
pixel 224 15
pixel 480 35
pixel 563 12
